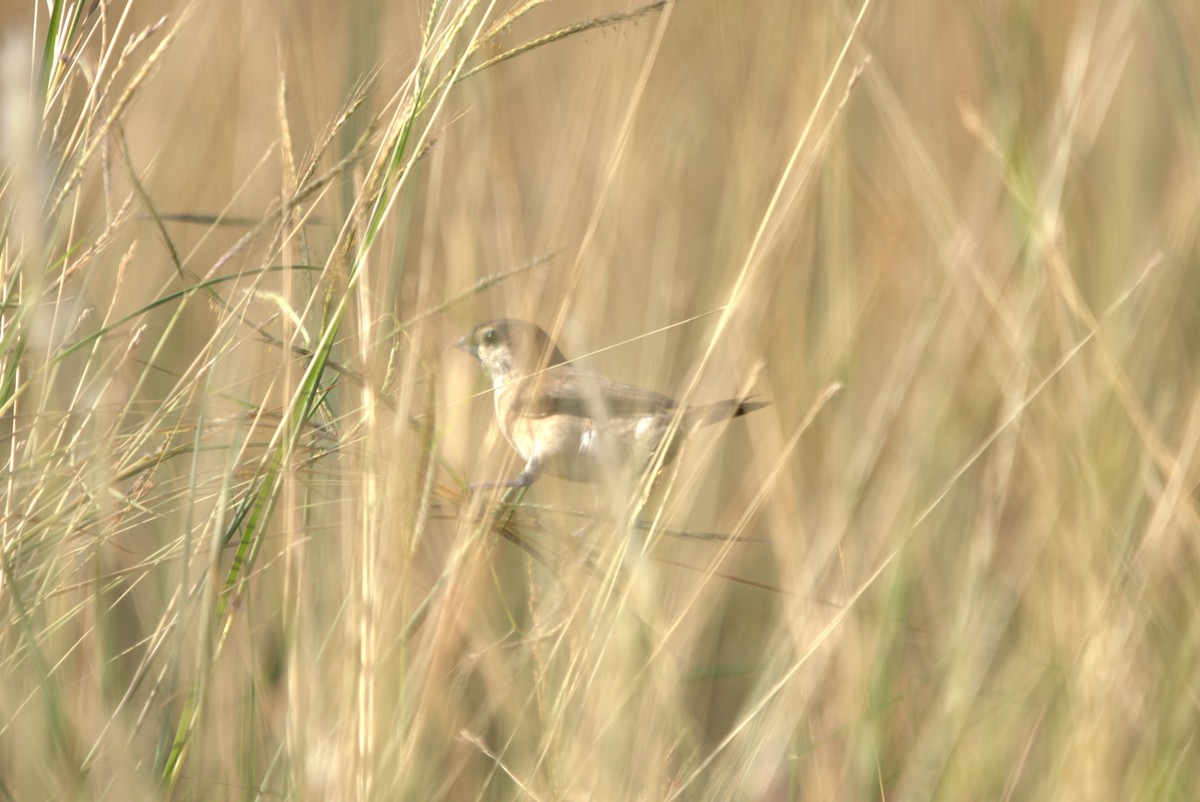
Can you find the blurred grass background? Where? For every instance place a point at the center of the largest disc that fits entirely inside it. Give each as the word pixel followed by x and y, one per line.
pixel 955 245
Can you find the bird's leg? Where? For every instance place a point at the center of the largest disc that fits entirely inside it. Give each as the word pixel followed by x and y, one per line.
pixel 524 479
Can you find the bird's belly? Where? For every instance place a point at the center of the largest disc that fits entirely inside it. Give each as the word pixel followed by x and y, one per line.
pixel 582 449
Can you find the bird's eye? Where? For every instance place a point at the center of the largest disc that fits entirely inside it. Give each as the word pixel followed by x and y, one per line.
pixel 489 336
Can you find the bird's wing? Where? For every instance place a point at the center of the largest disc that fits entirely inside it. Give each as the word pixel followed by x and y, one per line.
pixel 581 393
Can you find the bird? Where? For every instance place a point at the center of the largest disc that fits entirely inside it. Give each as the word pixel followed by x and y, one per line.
pixel 572 423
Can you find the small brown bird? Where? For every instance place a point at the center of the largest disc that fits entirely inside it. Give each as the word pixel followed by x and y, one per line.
pixel 570 422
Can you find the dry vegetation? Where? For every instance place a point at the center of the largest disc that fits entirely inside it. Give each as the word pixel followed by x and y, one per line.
pixel 955 244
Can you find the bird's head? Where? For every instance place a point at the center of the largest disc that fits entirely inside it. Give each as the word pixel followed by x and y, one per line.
pixel 510 349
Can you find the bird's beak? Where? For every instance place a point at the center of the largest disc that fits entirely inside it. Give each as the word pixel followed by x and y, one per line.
pixel 464 343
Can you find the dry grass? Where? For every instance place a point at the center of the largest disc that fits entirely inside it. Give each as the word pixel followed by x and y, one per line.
pixel 954 244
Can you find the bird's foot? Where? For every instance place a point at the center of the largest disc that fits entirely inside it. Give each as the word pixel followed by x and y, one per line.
pixel 525 479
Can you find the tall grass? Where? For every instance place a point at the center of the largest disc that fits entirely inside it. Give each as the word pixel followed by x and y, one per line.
pixel 955 245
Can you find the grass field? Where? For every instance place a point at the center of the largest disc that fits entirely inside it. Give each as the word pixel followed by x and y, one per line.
pixel 955 245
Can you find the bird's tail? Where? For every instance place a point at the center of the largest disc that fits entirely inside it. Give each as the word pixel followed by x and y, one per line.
pixel 708 414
